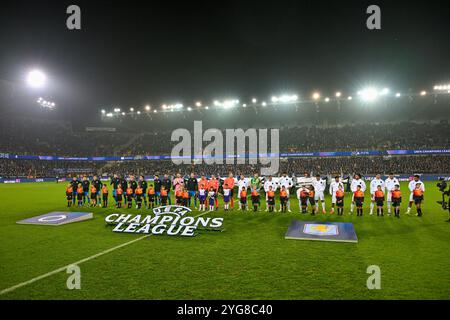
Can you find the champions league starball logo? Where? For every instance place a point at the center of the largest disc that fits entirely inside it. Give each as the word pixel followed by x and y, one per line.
pixel 171 220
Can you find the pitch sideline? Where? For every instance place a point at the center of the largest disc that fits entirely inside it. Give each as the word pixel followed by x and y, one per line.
pixel 48 274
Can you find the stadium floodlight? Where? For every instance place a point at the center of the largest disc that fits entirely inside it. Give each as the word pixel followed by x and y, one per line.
pixel 46 104
pixel 384 92
pixel 147 107
pixel 36 79
pixel 442 87
pixel 227 104
pixel 285 98
pixel 368 94
pixel 338 94
pixel 398 95
pixel 198 104
pixel 423 93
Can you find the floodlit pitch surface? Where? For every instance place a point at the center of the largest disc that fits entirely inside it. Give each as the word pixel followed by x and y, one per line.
pixel 249 260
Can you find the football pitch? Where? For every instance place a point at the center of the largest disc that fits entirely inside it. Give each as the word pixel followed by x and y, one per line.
pixel 250 259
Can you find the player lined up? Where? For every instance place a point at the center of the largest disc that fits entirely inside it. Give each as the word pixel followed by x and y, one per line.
pixel 207 192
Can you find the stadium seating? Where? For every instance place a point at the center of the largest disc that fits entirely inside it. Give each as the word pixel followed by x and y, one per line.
pixel 60 139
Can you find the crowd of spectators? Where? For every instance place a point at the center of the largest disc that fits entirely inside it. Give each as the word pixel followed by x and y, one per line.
pixel 61 140
pixel 324 165
pixel 41 169
pixel 42 138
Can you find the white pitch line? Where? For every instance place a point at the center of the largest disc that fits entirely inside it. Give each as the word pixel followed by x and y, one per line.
pixel 48 274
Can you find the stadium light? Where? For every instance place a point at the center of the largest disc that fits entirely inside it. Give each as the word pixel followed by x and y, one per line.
pixel 338 94
pixel 227 104
pixel 384 92
pixel 442 87
pixel 316 96
pixel 36 79
pixel 285 98
pixel 45 104
pixel 368 94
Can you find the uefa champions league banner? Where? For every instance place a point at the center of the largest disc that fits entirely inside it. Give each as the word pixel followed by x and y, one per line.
pixel 418 152
pixel 270 155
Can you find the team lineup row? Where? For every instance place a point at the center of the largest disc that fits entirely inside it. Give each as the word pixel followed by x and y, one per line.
pixel 311 192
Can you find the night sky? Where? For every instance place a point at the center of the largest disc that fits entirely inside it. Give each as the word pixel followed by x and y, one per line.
pixel 131 53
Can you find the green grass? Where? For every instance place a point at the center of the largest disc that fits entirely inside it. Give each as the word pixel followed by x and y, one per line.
pixel 249 260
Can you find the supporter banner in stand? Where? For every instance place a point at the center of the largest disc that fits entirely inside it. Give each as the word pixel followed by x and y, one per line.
pixel 282 155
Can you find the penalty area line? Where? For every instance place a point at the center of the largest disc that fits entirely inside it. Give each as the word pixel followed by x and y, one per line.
pixel 48 274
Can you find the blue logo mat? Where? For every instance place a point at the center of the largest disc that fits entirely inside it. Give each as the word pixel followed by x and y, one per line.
pixel 322 231
pixel 57 218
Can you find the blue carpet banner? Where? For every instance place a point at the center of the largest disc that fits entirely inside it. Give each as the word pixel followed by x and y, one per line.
pixel 57 218
pixel 322 231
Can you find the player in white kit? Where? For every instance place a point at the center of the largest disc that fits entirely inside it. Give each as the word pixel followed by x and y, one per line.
pixel 373 187
pixel 411 187
pixel 286 182
pixel 357 181
pixel 319 185
pixel 334 186
pixel 242 183
pixel 390 184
